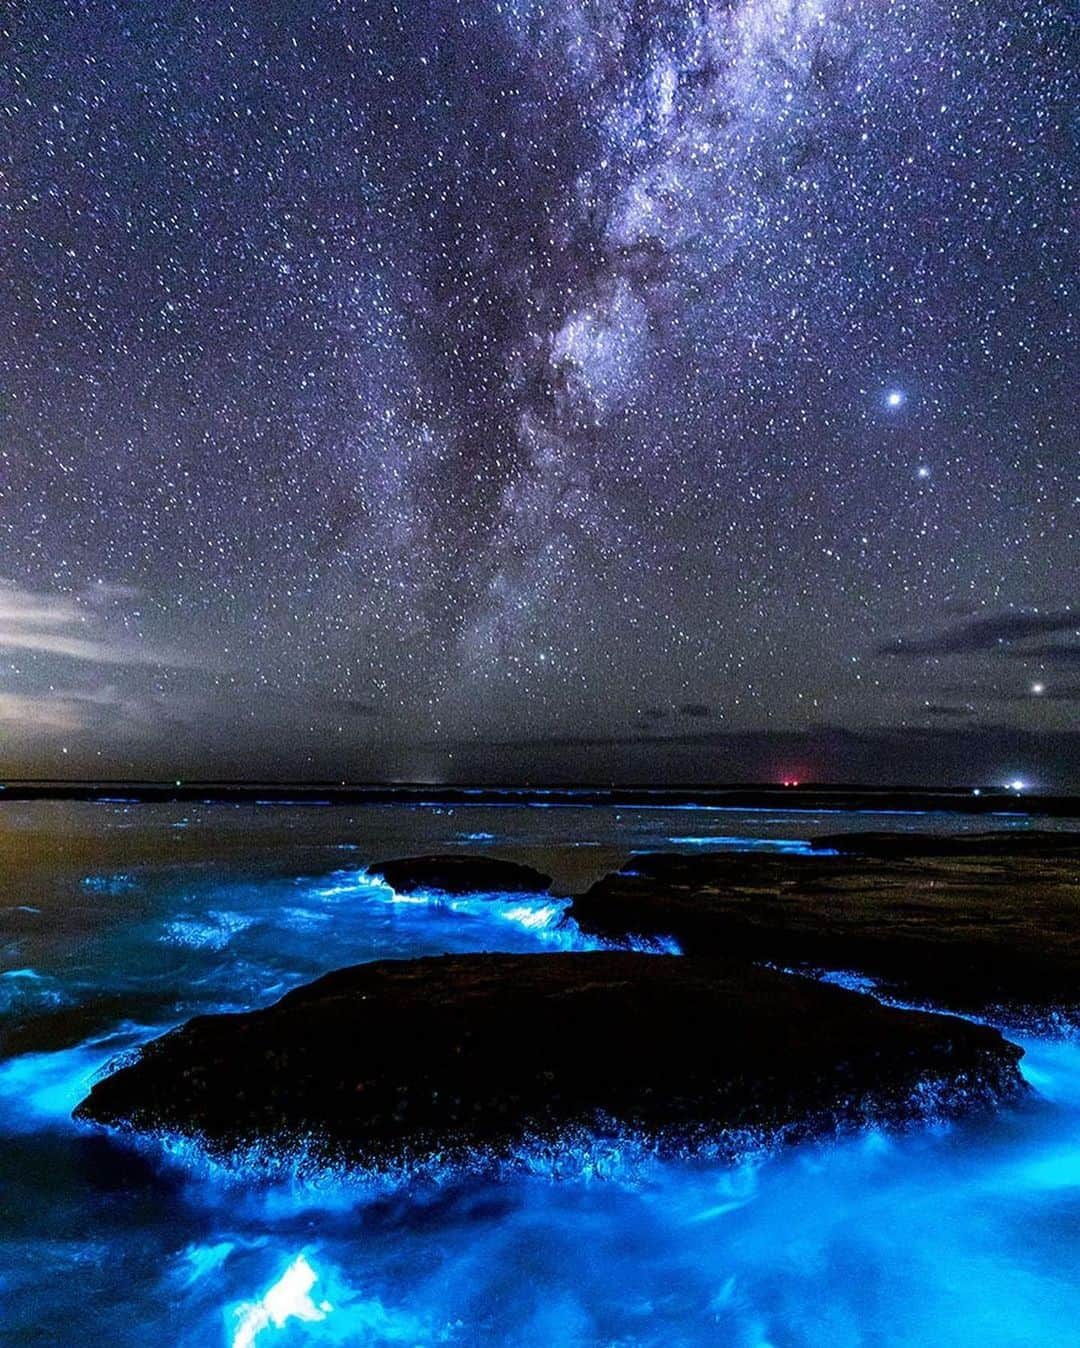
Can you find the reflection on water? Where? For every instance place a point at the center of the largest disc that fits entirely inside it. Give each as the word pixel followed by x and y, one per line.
pixel 948 1234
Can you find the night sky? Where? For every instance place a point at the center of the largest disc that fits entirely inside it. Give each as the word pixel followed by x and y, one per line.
pixel 563 390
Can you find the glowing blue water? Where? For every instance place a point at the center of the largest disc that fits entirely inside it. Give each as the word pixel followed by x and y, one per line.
pixel 725 843
pixel 958 1235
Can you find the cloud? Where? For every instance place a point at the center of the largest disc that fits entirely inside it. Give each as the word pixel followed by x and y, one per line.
pixel 690 738
pixel 1050 693
pixel 78 627
pixel 985 634
pixel 1050 653
pixel 74 672
pixel 355 707
pixel 697 710
pixel 72 710
pixel 1067 693
pixel 28 713
pixel 947 752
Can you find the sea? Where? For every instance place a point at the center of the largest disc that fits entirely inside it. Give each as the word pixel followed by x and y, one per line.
pixel 119 920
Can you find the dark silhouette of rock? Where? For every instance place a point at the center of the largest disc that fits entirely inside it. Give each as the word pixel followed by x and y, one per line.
pixel 411 1057
pixel 461 874
pixel 1014 843
pixel 969 927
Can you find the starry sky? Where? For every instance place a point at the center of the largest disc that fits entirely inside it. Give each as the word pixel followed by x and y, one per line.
pixel 564 389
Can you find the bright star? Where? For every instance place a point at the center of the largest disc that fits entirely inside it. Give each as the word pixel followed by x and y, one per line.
pixel 923 472
pixel 895 398
pixel 1038 689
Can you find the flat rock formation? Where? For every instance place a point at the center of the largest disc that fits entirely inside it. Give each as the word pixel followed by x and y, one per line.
pixel 966 925
pixel 461 874
pixel 412 1057
pixel 1007 843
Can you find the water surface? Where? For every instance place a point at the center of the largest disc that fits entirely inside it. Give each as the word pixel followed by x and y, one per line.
pixel 118 921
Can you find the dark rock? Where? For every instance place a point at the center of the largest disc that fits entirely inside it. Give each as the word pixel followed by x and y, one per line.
pixel 970 928
pixel 411 1057
pixel 457 874
pixel 1028 843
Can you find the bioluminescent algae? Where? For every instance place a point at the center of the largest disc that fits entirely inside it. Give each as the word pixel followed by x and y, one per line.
pixel 943 1232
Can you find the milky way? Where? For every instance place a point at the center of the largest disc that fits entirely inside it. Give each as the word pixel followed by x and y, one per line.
pixel 380 379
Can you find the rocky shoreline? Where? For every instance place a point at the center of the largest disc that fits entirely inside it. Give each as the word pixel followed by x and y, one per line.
pixel 971 923
pixel 460 874
pixel 415 1056
pixel 410 1058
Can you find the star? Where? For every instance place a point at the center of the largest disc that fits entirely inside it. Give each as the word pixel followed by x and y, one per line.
pixel 588 372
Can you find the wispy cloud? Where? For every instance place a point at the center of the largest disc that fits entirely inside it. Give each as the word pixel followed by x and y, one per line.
pixel 695 710
pixel 69 710
pixel 996 631
pixel 1055 693
pixel 27 712
pixel 1050 653
pixel 79 627
pixel 74 669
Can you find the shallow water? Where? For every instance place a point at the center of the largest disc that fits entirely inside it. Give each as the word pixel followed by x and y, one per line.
pixel 133 918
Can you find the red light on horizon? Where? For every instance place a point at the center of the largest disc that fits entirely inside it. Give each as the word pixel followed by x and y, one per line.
pixel 790 781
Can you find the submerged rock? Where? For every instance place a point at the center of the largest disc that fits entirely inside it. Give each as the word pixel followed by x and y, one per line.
pixel 461 874
pixel 411 1057
pixel 960 922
